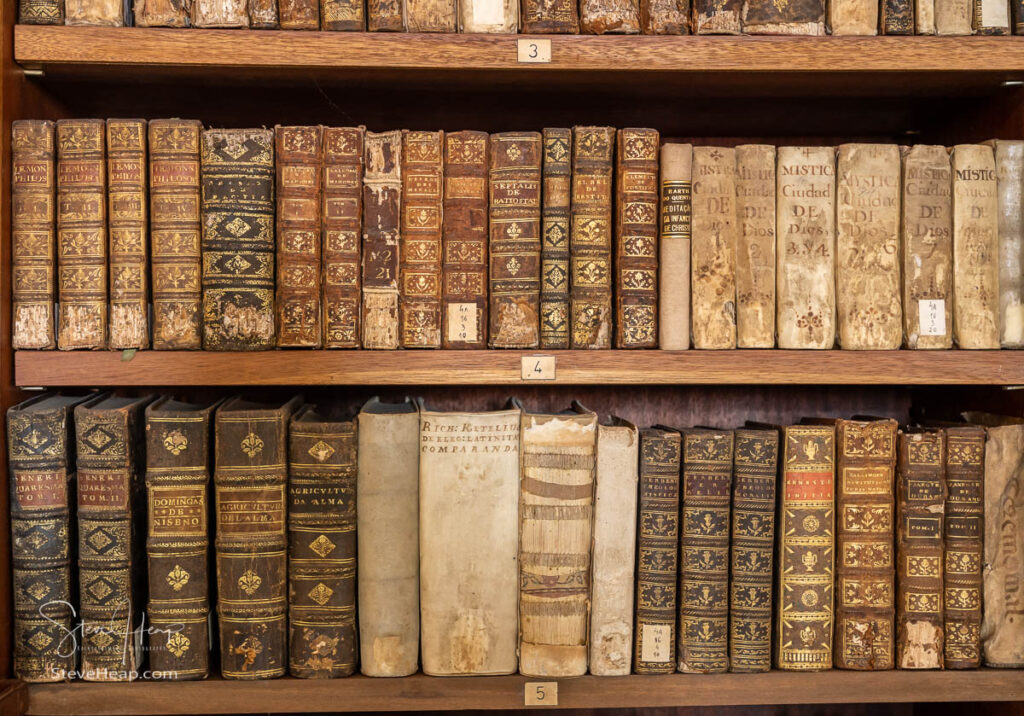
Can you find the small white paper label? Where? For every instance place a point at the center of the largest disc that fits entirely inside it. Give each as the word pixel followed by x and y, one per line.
pixel 488 12
pixel 533 50
pixel 538 368
pixel 541 693
pixel 462 322
pixel 932 313
pixel 654 642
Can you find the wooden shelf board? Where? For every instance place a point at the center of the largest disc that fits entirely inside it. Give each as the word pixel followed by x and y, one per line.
pixel 499 367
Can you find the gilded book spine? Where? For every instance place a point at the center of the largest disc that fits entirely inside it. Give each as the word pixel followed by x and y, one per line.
pixel 343 15
pixel 382 212
pixel 430 15
pixel 549 17
pixel 219 13
pixel 489 16
pixel 755 251
pixel 1010 185
pixel 590 238
pixel 636 239
pixel 464 241
pixel 803 640
pixel 953 17
pixel 263 14
pixel 300 14
pixel 765 17
pixel 514 240
pixel 713 277
pixel 385 15
pixel 665 17
pixel 610 17
pixel 853 17
pixel 41 12
pixel 674 247
pixel 654 650
pixel 342 222
pixel 238 239
pixel 717 17
pixel 554 287
pixel 161 13
pixel 422 209
pixel 897 17
pixel 991 17
pixel 110 13
pixel 33 233
pixel 129 247
pixel 299 224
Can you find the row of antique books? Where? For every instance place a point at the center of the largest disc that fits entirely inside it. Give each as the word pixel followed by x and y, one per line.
pixel 589 237
pixel 650 17
pixel 504 541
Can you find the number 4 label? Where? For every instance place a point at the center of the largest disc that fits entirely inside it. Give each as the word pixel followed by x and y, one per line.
pixel 532 50
pixel 541 693
pixel 538 368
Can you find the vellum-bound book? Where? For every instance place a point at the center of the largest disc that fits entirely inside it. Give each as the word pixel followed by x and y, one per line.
pixel 713 248
pixel 1010 186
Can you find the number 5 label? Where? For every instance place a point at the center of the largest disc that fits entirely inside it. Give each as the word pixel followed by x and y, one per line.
pixel 531 50
pixel 541 693
pixel 538 368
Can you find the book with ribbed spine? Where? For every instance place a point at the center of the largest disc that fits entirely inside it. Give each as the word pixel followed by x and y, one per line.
pixel 342 235
pixel 420 251
pixel 382 216
pixel 554 287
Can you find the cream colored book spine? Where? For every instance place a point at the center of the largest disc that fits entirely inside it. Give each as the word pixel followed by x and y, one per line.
pixel 953 17
pixel 755 253
pixel 1010 184
pixel 853 17
pixel 713 248
pixel 674 247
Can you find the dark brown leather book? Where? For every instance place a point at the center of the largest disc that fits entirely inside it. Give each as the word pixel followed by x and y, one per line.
pixel 550 17
pixel 921 500
pixel 111 535
pixel 420 243
pixel 514 245
pixel 385 15
pixel 964 531
pixel 126 222
pixel 81 234
pixel 717 17
pixel 250 476
pixel 342 224
pixel 178 543
pixel 33 234
pixel 322 545
pixel 609 17
pixel 897 17
pixel 299 14
pixel 174 226
pixel 299 175
pixel 464 266
pixel 263 14
pixel 554 250
pixel 636 239
pixel 161 13
pixel 347 15
pixel 40 12
pixel 430 15
pixel 41 459
pixel 799 17
pixel 755 474
pixel 382 212
pixel 238 239
pixel 654 649
pixel 865 518
pixel 665 17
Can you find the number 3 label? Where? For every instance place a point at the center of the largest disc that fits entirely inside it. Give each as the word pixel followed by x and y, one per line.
pixel 531 50
pixel 538 368
pixel 541 693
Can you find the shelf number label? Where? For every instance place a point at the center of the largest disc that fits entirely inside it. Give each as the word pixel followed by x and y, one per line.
pixel 933 317
pixel 541 693
pixel 531 50
pixel 538 368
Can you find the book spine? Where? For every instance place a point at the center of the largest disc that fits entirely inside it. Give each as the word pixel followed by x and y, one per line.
pixel 806 244
pixel 40 12
pixel 514 240
pixel 755 251
pixel 560 17
pixel 430 15
pixel 382 212
pixel 263 14
pixel 1010 186
pixel 924 17
pixel 299 185
pixel 157 13
pixel 33 234
pixel 610 17
pixel 238 239
pixel 755 473
pixel 798 17
pixel 422 211
pixel 713 277
pixel 665 17
pixel 342 229
pixel 636 239
pixel 554 288
pixel 806 549
pixel 654 650
pixel 109 13
pixel 343 15
pixel 493 16
pixel 853 17
pixel 991 17
pixel 385 15
pixel 464 241
pixel 322 549
pixel 962 539
pixel 897 17
pixel 300 14
pixel 953 17
pixel 674 247
pixel 717 17
pixel 921 486
pixel 590 238
pixel 220 13
pixel 1017 16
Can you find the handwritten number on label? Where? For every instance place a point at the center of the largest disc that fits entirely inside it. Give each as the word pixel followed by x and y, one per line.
pixel 538 368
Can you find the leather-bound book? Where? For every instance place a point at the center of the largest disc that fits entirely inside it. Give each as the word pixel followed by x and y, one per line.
pixel 263 14
pixel 301 14
pixel 344 15
pixel 674 247
pixel 590 238
pixel 469 539
pixel 712 271
pixel 975 247
pixel 33 234
pixel 382 212
pixel 387 522
pixel 636 239
pixel 921 504
pixel 40 12
pixel 219 13
pixel 110 13
pixel 299 224
pixel 238 239
pixel 991 17
pixel 614 549
pixel 489 16
pixel 554 251
pixel 419 306
pixel 550 17
pixel 514 240
pixel 755 475
pixel 897 17
pixel 161 13
pixel 717 17
pixel 755 249
pixel 924 17
pixel 556 505
pixel 385 15
pixel 81 234
pixel 111 535
pixel 1017 15
pixel 853 17
pixel 178 452
pixel 431 15
pixel 321 544
pixel 803 640
pixel 703 630
pixel 954 17
pixel 665 17
pixel 342 235
pixel 41 460
pixel 654 650
pixel 963 537
pixel 806 244
pixel 609 17
pixel 1010 187
pixel 174 226
pixel 927 248
pixel 250 475
pixel 865 514
pixel 765 17
pixel 464 241
pixel 129 248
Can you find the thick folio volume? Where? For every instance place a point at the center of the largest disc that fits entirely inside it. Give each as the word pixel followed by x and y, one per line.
pixel 420 265
pixel 342 221
pixel 674 247
pixel 554 252
pixel 382 215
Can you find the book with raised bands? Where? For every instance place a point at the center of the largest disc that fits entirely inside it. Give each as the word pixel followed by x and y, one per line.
pixel 713 248
pixel 342 235
pixel 382 215
pixel 420 251
pixel 554 287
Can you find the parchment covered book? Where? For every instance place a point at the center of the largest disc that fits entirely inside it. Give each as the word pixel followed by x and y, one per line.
pixel 924 17
pixel 220 13
pixel 554 251
pixel 547 17
pixel 755 250
pixel 713 254
pixel 674 247
pixel 162 13
pixel 382 212
pixel 1010 187
pixel 608 17
pixel 665 17
pixel 853 17
pixel 430 15
pixel 94 12
pixel 717 17
pixel 420 250
pixel 765 17
pixel 489 16
pixel 954 17
pixel 342 235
